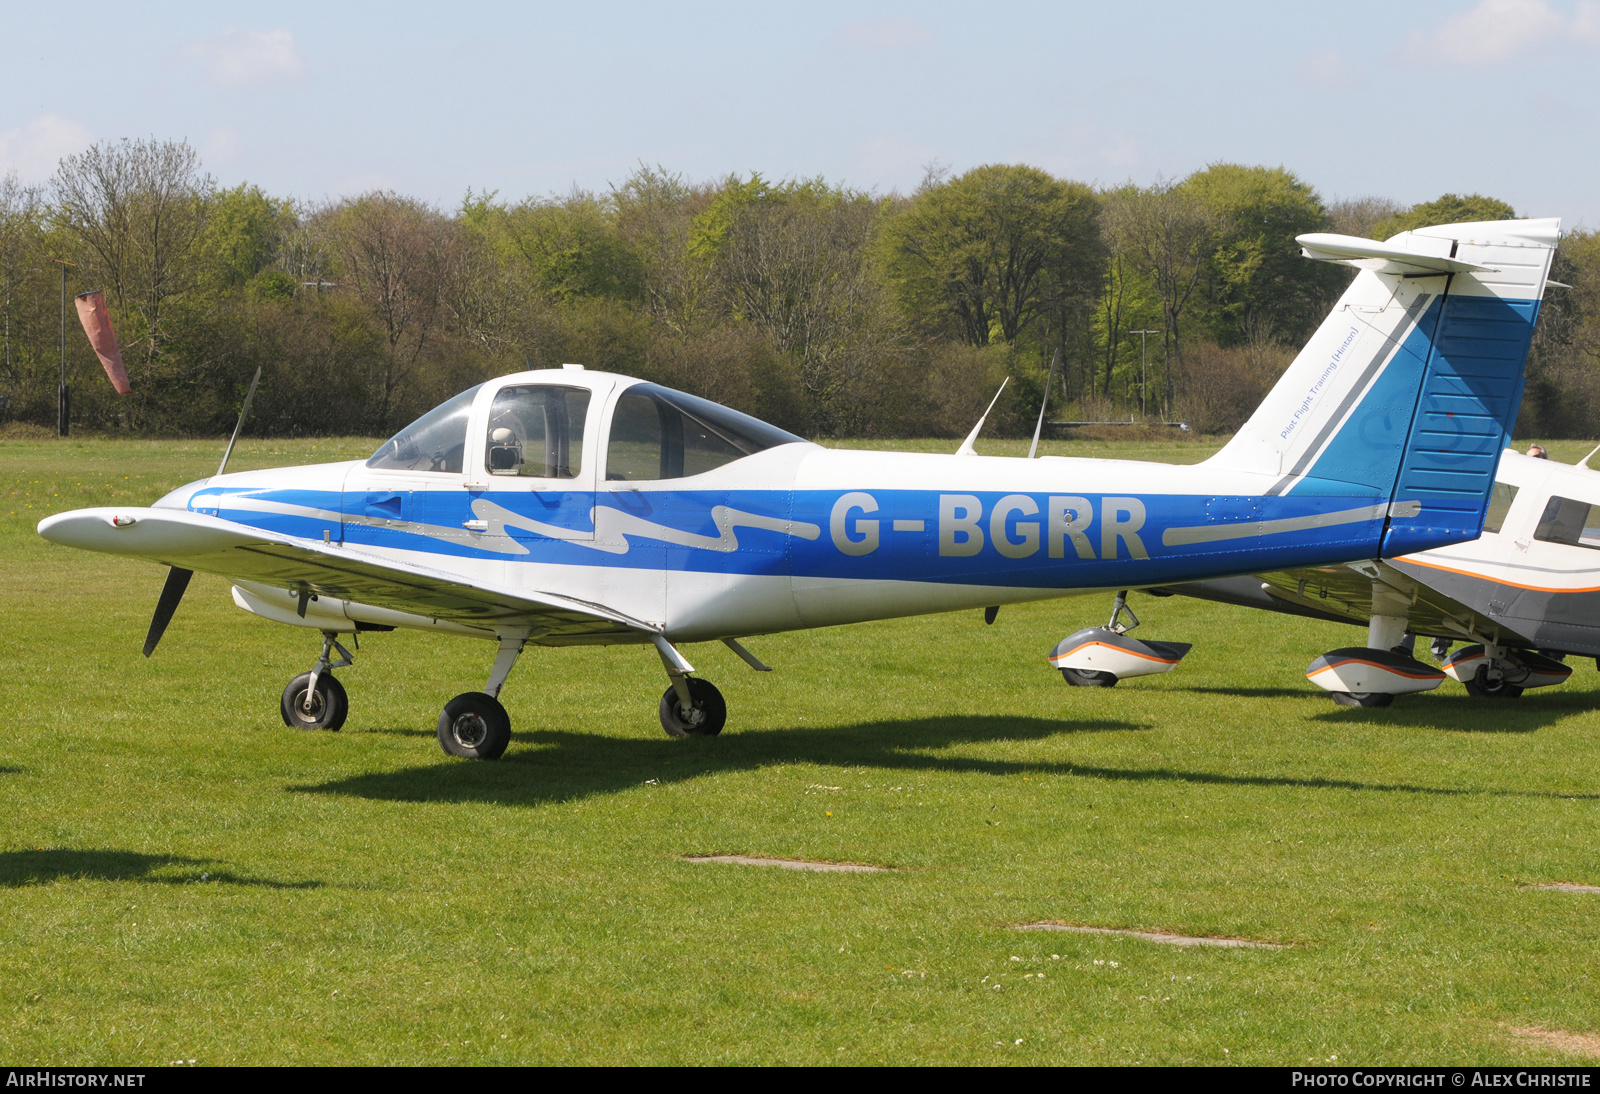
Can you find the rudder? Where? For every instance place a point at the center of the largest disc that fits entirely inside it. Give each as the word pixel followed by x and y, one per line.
pixel 1410 387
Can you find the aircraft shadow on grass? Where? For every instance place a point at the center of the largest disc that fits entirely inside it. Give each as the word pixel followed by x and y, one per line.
pixel 42 866
pixel 1460 713
pixel 1253 693
pixel 565 765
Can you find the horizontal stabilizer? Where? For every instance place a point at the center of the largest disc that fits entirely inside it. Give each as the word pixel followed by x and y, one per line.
pixel 1420 255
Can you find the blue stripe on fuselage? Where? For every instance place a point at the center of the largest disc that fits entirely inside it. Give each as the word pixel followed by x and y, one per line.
pixel 1037 540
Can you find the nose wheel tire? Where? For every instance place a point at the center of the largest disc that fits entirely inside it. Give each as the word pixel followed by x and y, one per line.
pixel 706 717
pixel 1362 698
pixel 474 726
pixel 324 708
pixel 1089 678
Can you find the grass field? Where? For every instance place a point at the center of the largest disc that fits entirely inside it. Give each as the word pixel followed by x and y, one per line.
pixel 186 879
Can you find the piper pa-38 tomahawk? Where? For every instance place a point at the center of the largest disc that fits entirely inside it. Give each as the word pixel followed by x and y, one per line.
pixel 565 506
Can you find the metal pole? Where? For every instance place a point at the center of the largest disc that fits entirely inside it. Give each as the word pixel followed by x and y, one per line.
pixel 61 396
pixel 1144 366
pixel 64 398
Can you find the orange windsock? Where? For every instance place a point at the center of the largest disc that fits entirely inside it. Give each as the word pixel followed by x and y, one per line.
pixel 97 325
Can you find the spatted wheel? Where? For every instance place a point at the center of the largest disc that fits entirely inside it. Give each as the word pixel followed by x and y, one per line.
pixel 1480 686
pixel 1362 698
pixel 1089 678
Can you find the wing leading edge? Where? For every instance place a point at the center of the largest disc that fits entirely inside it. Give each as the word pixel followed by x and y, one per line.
pixel 194 541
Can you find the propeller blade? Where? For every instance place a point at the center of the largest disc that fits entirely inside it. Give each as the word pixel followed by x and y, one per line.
pixel 171 593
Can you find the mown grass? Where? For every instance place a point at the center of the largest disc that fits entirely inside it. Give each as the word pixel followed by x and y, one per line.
pixel 185 878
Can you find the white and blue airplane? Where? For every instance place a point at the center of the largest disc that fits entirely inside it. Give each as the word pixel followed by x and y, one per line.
pixel 567 506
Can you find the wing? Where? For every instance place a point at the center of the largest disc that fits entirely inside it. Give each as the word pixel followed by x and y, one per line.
pixel 1343 594
pixel 194 541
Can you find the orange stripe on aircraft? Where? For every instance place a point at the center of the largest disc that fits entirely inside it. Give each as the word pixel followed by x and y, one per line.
pixel 1105 645
pixel 1497 581
pixel 1374 664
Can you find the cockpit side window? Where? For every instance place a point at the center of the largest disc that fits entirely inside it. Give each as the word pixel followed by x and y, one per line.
pixel 1499 505
pixel 658 433
pixel 434 442
pixel 536 431
pixel 639 448
pixel 1571 522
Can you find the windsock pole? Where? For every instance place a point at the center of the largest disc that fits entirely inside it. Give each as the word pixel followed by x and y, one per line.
pixel 64 406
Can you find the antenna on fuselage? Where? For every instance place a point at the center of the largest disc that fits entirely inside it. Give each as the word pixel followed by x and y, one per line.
pixel 243 413
pixel 1048 384
pixel 1585 461
pixel 966 445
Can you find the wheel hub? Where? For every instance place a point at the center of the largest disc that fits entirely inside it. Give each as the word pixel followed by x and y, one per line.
pixel 311 704
pixel 470 730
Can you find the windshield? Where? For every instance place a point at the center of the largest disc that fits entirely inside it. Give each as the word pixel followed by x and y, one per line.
pixel 658 433
pixel 434 442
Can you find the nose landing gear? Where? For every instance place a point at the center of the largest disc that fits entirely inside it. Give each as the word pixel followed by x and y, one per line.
pixel 315 700
pixel 691 707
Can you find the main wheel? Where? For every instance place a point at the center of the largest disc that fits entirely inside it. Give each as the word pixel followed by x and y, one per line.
pixel 1479 686
pixel 1089 678
pixel 474 726
pixel 324 708
pixel 705 718
pixel 1362 698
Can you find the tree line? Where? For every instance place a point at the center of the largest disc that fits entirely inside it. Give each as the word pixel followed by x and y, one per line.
pixel 825 309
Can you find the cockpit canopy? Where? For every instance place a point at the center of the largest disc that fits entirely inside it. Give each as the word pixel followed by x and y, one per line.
pixel 537 430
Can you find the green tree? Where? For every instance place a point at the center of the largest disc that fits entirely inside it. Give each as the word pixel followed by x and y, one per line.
pixel 1167 235
pixel 571 248
pixel 985 254
pixel 1261 289
pixel 1446 209
pixel 242 234
pixel 134 212
pixel 393 255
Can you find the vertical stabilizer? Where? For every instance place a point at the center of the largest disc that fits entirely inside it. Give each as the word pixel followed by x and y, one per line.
pixel 1409 389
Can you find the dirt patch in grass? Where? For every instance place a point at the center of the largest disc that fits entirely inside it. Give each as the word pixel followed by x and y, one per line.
pixel 1565 887
pixel 1575 1044
pixel 791 864
pixel 1164 937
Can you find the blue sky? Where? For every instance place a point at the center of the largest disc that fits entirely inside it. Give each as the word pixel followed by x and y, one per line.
pixel 1406 100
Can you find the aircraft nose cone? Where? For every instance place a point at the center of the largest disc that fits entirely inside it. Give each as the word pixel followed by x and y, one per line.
pixel 112 530
pixel 75 529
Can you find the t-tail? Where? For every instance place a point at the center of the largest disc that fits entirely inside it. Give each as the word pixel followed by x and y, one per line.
pixel 1409 390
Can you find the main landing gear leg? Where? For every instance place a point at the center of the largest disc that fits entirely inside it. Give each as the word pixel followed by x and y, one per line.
pixel 474 725
pixel 691 707
pixel 315 700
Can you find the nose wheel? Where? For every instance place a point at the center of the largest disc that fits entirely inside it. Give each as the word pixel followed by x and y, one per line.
pixel 315 700
pixel 704 716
